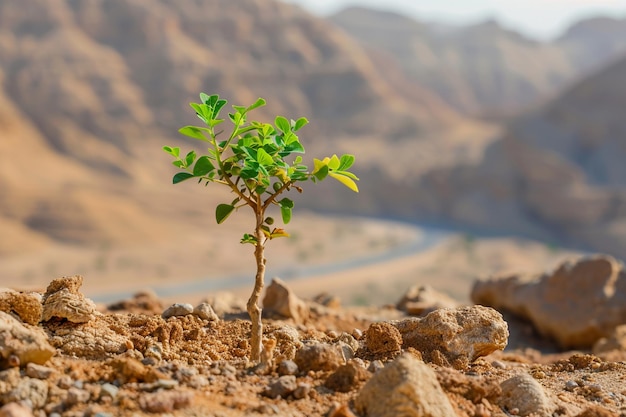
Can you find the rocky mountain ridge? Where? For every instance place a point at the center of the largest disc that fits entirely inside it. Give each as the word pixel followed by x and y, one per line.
pixel 485 69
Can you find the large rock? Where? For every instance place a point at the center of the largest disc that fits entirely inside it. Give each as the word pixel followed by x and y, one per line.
pixel 27 305
pixel 21 344
pixel 455 336
pixel 405 387
pixel 280 300
pixel 576 305
pixel 64 300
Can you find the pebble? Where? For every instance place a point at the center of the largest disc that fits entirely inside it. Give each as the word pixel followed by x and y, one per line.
pixel 281 387
pixel 159 384
pixel 571 385
pixel 154 351
pixel 498 364
pixel 205 312
pixel 34 370
pixel 77 395
pixel 302 391
pixel 357 334
pixel 178 309
pixel 15 410
pixel 109 390
pixel 287 367
pixel 375 366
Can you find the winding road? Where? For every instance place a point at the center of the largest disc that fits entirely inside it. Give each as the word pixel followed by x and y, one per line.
pixel 426 238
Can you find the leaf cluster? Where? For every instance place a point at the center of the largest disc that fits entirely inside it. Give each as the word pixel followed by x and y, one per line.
pixel 258 161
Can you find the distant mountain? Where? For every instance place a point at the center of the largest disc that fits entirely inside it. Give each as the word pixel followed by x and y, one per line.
pixel 91 90
pixel 484 69
pixel 557 173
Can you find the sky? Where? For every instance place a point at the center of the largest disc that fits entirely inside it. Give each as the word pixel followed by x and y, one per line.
pixel 540 19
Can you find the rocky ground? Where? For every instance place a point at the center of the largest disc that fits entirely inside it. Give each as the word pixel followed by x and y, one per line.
pixel 62 355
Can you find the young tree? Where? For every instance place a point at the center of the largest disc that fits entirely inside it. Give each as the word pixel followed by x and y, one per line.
pixel 257 162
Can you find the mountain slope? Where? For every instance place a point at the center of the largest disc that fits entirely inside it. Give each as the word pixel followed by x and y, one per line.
pixel 485 69
pixel 93 89
pixel 557 173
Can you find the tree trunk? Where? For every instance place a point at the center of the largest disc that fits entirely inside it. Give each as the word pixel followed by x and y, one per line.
pixel 254 310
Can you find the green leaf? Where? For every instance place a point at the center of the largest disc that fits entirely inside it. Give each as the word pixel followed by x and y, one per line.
pixel 347 174
pixel 286 205
pixel 205 98
pixel 300 123
pixel 321 168
pixel 203 166
pixel 283 124
pixel 295 147
pixel 189 158
pixel 333 163
pixel 258 103
pixel 181 176
pixel 175 152
pixel 348 182
pixel 345 162
pixel 194 132
pixel 218 106
pixel 248 238
pixel 264 158
pixel 285 212
pixel 222 211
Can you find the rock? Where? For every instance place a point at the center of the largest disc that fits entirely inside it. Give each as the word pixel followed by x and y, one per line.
pixel 205 312
pixel 146 302
pixel 383 338
pixel 22 342
pixel 287 367
pixel 319 357
pixel 282 387
pixel 15 410
pixel 63 300
pixel 96 339
pixel 616 341
pixel 27 306
pixel 38 371
pixel 165 402
pixel 327 300
pixel 109 390
pixel 422 299
pixel 455 337
pixel 178 309
pixel 405 387
pixel 302 390
pixel 32 391
pixel 287 341
pixel 347 377
pixel 132 370
pixel 77 396
pixel 576 305
pixel 225 302
pixel 280 300
pixel 524 393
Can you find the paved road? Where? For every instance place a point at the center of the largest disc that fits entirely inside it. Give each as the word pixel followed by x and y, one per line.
pixel 426 238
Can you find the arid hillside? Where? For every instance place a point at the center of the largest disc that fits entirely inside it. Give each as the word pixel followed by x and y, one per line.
pixel 555 173
pixel 90 91
pixel 485 69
